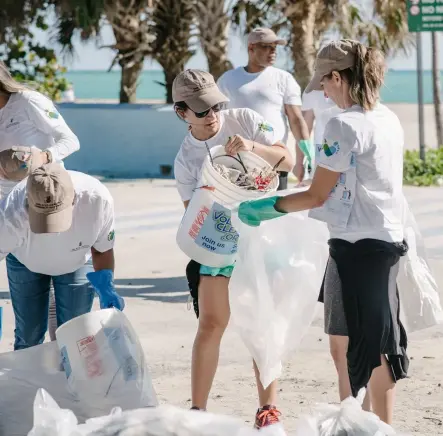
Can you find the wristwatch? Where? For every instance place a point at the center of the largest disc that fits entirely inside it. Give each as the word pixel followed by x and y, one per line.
pixel 48 155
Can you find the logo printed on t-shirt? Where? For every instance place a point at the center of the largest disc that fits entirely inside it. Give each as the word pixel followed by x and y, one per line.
pixel 12 123
pixel 330 150
pixel 111 235
pixel 265 127
pixel 52 114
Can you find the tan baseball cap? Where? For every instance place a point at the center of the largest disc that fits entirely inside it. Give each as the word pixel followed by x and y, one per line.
pixel 265 36
pixel 17 163
pixel 335 56
pixel 51 197
pixel 197 89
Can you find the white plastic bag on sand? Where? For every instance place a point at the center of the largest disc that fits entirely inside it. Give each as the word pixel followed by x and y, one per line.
pixel 346 419
pixel 275 285
pixel 23 372
pixel 104 361
pixel 50 420
pixel 419 294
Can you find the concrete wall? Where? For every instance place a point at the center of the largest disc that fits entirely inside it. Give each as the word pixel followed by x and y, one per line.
pixel 127 141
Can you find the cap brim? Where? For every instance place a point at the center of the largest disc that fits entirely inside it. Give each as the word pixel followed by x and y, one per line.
pixel 52 223
pixel 315 83
pixel 205 101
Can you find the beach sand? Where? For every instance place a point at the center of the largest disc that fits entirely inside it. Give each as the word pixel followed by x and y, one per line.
pixel 150 275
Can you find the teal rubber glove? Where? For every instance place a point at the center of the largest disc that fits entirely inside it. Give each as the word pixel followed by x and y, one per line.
pixel 307 149
pixel 254 212
pixel 103 283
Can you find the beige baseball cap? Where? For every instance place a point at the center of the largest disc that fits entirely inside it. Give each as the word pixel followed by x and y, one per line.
pixel 197 89
pixel 335 56
pixel 51 197
pixel 17 163
pixel 265 36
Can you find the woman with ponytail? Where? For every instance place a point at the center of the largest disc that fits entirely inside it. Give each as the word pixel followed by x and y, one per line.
pixel 357 191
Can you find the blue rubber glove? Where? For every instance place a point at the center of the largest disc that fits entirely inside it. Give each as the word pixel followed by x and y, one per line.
pixel 254 212
pixel 103 283
pixel 307 149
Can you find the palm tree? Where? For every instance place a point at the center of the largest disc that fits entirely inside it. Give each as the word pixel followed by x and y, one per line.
pixel 173 29
pixel 213 27
pixel 437 89
pixel 132 26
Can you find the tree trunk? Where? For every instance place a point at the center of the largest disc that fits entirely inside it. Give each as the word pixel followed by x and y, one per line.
pixel 170 75
pixel 131 69
pixel 218 65
pixel 303 45
pixel 437 89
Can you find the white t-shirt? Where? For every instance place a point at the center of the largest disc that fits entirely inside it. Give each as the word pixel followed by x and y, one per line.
pixel 59 253
pixel 376 140
pixel 324 109
pixel 192 152
pixel 266 93
pixel 31 119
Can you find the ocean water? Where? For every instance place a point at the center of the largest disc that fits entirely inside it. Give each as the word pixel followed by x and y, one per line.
pixel 400 86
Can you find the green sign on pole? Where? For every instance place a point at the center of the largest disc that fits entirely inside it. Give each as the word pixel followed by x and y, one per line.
pixel 425 15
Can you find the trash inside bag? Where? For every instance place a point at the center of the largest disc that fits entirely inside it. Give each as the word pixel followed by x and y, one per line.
pixel 275 285
pixel 421 303
pixel 50 420
pixel 346 419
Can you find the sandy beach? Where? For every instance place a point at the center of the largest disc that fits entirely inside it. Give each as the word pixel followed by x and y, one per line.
pixel 150 275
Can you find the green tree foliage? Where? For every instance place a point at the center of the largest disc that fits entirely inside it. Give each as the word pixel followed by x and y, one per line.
pixel 29 62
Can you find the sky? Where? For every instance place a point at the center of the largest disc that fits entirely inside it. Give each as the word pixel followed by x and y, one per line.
pixel 90 57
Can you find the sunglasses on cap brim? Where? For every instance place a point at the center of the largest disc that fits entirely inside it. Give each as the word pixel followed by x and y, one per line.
pixel 216 108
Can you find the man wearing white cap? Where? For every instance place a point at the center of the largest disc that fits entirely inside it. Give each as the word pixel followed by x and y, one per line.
pixel 58 225
pixel 271 92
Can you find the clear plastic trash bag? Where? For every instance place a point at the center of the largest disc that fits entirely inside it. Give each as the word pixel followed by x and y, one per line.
pixel 420 299
pixel 50 420
pixel 345 419
pixel 275 285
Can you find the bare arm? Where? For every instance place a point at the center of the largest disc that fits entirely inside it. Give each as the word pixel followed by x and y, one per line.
pixel 315 196
pixel 272 154
pixel 309 119
pixel 300 131
pixel 103 260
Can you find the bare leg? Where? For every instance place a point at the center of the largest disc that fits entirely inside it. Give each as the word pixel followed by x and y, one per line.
pixel 214 318
pixel 382 389
pixel 268 396
pixel 339 347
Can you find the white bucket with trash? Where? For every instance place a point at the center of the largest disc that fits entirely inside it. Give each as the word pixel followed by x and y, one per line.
pixel 206 234
pixel 104 361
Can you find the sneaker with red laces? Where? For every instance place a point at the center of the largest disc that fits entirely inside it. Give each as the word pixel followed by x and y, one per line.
pixel 267 415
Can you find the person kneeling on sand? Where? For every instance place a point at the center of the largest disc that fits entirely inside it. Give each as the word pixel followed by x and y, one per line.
pixel 55 224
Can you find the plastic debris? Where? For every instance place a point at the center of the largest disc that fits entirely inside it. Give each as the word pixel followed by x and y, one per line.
pixel 255 179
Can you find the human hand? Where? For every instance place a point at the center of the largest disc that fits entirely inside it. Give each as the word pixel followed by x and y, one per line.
pixel 237 143
pixel 103 283
pixel 19 161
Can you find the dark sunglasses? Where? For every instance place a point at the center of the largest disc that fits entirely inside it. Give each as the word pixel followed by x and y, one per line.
pixel 216 108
